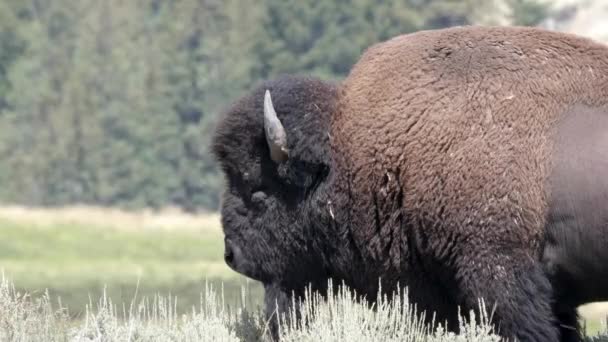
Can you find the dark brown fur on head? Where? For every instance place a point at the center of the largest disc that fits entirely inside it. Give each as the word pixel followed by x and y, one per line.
pixel 431 165
pixel 273 230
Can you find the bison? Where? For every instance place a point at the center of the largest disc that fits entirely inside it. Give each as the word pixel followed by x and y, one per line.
pixel 463 163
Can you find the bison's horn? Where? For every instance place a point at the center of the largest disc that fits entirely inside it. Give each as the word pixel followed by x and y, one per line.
pixel 275 133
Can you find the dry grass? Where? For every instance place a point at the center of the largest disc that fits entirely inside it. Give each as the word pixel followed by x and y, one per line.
pixel 342 318
pixel 167 219
pixel 594 316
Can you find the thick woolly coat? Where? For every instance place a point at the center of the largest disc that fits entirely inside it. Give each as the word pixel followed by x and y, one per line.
pixel 447 142
pixel 435 164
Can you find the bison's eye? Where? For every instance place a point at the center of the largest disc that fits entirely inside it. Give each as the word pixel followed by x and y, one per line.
pixel 258 199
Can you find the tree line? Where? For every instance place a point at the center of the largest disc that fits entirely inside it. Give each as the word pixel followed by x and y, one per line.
pixel 113 102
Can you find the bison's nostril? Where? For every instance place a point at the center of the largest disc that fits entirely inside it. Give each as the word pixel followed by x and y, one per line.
pixel 228 256
pixel 228 252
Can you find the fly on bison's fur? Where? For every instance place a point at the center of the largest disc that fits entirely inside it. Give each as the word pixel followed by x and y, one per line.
pixel 463 163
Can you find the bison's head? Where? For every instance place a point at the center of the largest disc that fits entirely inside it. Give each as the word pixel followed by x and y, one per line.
pixel 273 148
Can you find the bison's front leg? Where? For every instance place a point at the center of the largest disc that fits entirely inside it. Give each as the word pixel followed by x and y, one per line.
pixel 516 284
pixel 569 326
pixel 277 304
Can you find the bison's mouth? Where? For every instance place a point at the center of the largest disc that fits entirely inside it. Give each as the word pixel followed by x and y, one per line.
pixel 236 260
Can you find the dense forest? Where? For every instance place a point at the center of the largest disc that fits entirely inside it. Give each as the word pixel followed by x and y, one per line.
pixel 113 102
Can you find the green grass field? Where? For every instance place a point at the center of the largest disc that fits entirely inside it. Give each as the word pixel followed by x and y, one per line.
pixel 76 262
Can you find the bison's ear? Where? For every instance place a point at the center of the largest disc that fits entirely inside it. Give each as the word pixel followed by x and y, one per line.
pixel 275 133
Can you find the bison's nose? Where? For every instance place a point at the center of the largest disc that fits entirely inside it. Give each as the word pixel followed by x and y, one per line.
pixel 228 252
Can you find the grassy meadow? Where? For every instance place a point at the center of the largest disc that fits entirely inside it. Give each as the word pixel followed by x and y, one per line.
pixel 76 253
pixel 82 254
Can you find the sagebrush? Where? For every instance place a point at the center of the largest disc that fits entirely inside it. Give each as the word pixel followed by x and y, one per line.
pixel 341 317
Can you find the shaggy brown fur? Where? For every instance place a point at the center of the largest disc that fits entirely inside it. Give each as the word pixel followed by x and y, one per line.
pixel 442 163
pixel 458 125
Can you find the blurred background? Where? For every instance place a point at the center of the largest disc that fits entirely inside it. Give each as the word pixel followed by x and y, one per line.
pixel 106 111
